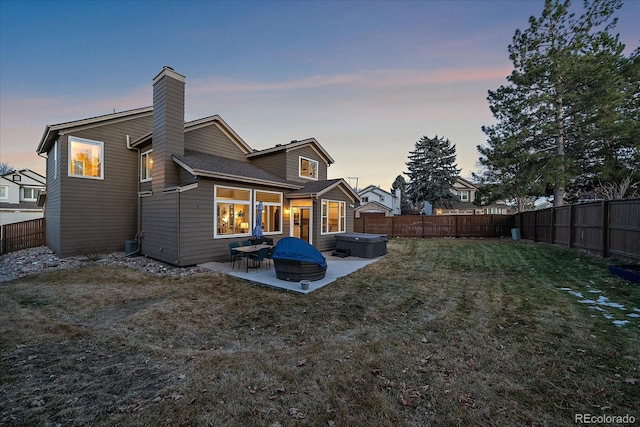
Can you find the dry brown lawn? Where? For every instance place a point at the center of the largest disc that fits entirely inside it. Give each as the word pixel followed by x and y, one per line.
pixel 440 332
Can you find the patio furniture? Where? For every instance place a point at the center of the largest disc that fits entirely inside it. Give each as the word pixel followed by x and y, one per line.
pixel 256 258
pixel 234 254
pixel 249 249
pixel 296 260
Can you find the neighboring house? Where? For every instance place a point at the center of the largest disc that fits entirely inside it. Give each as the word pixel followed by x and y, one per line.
pixel 19 193
pixel 183 190
pixel 467 192
pixel 376 201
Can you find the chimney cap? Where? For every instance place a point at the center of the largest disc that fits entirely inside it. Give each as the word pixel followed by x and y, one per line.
pixel 169 72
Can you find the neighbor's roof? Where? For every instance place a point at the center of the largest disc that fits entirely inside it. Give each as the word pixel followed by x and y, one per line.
pixel 212 166
pixel 294 145
pixel 373 205
pixel 51 132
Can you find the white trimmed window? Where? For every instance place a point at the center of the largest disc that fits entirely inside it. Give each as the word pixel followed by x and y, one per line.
pixel 308 168
pixel 463 195
pixel 333 217
pixel 30 194
pixel 146 165
pixel 86 158
pixel 232 212
pixel 4 192
pixel 271 210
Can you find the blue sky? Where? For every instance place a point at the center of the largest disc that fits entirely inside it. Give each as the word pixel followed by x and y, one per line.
pixel 367 79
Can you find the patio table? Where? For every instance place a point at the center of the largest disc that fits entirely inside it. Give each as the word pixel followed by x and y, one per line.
pixel 250 249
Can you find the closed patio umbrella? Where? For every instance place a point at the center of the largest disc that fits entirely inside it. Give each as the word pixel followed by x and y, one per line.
pixel 257 230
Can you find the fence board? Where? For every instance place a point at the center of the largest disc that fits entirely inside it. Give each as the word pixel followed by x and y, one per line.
pixel 436 225
pixel 604 228
pixel 22 235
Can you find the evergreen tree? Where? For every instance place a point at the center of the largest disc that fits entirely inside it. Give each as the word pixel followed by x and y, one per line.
pixel 550 115
pixel 5 168
pixel 401 183
pixel 432 172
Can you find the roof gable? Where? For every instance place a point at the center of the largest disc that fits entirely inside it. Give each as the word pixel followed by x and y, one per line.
pixel 318 188
pixel 214 120
pixel 374 189
pixel 51 132
pixel 294 145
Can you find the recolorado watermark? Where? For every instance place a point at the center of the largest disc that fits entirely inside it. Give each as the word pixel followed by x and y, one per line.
pixel 603 419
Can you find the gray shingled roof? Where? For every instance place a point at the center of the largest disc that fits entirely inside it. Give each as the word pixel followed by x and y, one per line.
pixel 216 166
pixel 314 187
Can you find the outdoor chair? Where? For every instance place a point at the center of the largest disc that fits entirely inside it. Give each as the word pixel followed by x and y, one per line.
pixel 270 255
pixel 234 254
pixel 256 258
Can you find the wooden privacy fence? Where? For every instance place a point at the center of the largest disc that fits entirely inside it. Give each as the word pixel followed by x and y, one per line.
pixel 436 225
pixel 606 228
pixel 22 235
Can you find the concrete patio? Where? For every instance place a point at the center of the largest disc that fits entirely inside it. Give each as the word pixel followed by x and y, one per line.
pixel 336 267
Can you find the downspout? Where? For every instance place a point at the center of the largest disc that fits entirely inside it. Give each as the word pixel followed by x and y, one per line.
pixel 138 202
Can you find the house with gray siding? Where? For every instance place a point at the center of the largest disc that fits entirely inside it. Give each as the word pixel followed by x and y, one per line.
pixel 183 190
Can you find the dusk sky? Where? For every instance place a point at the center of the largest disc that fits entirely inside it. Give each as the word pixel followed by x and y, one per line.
pixel 366 79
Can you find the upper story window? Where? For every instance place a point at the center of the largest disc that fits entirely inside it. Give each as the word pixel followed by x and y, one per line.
pixel 30 194
pixel 146 165
pixel 271 211
pixel 16 178
pixel 365 199
pixel 86 158
pixel 308 168
pixel 4 192
pixel 464 195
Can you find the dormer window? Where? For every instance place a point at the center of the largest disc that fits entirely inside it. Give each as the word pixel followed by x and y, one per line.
pixel 17 178
pixel 308 168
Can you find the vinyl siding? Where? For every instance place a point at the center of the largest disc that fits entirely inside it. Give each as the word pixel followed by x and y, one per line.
pixel 159 230
pixel 293 170
pixel 275 163
pixel 328 241
pixel 97 215
pixel 211 140
pixel 52 205
pixel 168 131
pixel 197 244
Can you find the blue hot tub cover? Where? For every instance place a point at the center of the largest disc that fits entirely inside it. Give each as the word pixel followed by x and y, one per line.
pixel 292 248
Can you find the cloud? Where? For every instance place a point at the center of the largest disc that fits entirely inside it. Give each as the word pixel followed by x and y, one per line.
pixel 378 78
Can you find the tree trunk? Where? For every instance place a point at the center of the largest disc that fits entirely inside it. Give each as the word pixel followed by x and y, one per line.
pixel 560 185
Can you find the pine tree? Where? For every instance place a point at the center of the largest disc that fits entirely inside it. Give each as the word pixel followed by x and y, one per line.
pixel 401 183
pixel 550 114
pixel 432 172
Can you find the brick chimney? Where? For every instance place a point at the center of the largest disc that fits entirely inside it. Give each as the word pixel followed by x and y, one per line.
pixel 168 127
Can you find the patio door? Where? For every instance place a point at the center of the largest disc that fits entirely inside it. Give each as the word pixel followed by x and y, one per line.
pixel 301 223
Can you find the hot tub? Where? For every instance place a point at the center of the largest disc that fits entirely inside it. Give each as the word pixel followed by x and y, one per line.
pixel 362 245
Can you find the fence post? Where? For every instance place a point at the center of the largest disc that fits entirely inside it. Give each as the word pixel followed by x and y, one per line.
pixel 535 226
pixel 552 232
pixel 422 219
pixel 393 225
pixel 570 226
pixel 605 228
pixel 456 226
